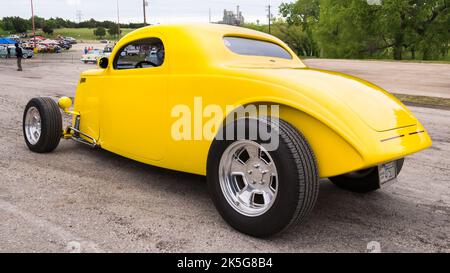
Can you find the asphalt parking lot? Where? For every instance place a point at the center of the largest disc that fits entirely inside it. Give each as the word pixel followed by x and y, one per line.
pixel 79 199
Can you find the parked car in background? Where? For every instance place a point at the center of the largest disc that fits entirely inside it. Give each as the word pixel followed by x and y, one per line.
pixel 71 40
pixel 26 53
pixel 14 37
pixel 49 46
pixel 2 49
pixel 107 51
pixel 55 49
pixel 92 56
pixel 152 57
pixel 41 48
pixel 132 51
pixel 65 44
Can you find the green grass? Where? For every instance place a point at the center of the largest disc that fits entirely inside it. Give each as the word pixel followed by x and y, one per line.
pixel 407 58
pixel 81 33
pixel 425 101
pixel 445 60
pixel 3 33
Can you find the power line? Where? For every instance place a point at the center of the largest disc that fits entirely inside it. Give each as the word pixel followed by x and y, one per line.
pixel 79 15
pixel 210 15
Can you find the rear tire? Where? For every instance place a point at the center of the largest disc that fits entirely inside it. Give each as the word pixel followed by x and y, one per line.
pixel 42 125
pixel 364 181
pixel 297 181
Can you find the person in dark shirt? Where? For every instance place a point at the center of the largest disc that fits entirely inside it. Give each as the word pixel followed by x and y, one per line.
pixel 8 52
pixel 19 55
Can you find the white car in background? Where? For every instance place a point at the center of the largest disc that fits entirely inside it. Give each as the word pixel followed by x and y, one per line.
pixel 92 56
pixel 14 37
pixel 132 50
pixel 107 51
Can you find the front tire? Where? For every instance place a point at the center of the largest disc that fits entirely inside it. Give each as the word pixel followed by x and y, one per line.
pixel 364 181
pixel 259 192
pixel 42 125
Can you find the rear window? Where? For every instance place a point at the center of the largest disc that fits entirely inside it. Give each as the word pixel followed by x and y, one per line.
pixel 252 47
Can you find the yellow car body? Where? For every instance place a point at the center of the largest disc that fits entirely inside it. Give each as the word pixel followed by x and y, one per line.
pixel 350 124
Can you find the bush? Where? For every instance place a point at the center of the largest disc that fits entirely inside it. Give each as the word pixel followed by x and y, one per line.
pixel 113 30
pixel 48 29
pixel 100 32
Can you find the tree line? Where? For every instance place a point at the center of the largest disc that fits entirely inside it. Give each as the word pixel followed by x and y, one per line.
pixel 21 25
pixel 395 29
pixel 398 29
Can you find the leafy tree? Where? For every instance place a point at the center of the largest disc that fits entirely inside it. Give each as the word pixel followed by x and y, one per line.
pixel 293 35
pixel 49 27
pixel 15 24
pixel 302 18
pixel 304 12
pixel 100 32
pixel 113 30
pixel 39 22
pixel 356 29
pixel 347 29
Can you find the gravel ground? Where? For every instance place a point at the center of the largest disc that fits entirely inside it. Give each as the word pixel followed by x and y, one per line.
pixel 426 79
pixel 78 199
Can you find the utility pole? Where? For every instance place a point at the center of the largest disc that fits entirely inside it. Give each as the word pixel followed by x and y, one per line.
pixel 270 17
pixel 145 4
pixel 210 15
pixel 238 18
pixel 79 16
pixel 34 26
pixel 118 21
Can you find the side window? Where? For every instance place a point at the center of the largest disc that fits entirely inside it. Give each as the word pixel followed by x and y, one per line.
pixel 143 53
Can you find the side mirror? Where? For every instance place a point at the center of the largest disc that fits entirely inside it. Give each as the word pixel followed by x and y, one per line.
pixel 103 63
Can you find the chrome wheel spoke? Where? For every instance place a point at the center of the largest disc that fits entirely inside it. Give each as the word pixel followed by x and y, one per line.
pixel 246 196
pixel 248 178
pixel 253 152
pixel 237 166
pixel 271 169
pixel 268 196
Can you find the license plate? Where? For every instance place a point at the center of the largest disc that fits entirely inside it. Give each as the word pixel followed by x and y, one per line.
pixel 387 173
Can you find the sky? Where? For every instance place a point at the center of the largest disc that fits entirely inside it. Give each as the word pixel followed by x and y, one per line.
pixel 158 11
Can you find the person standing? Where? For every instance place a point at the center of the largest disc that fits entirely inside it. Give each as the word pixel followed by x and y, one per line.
pixel 85 50
pixel 19 55
pixel 8 52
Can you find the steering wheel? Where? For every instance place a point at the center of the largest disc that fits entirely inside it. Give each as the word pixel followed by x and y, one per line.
pixel 139 64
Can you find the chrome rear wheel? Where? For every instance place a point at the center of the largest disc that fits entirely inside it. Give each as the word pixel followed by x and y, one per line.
pixel 258 192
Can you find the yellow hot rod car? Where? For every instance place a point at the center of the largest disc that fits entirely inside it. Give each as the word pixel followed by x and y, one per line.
pixel 189 81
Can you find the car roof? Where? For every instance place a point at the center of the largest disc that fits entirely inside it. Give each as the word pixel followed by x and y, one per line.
pixel 204 43
pixel 202 28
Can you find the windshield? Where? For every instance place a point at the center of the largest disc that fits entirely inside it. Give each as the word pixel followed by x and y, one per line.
pixel 252 47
